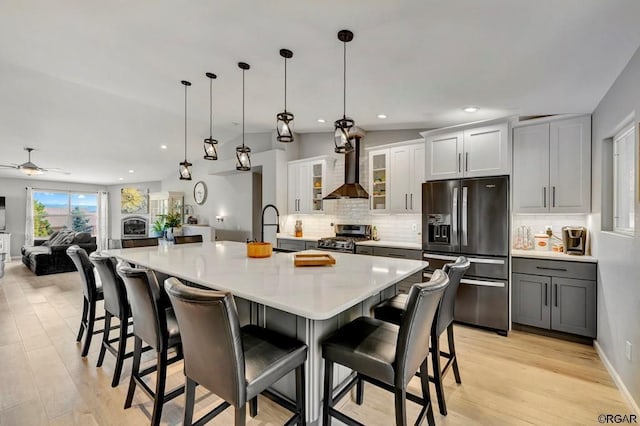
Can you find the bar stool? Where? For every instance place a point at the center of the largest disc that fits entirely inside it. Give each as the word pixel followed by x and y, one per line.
pixel 235 363
pixel 115 305
pixel 185 239
pixel 386 355
pixel 139 242
pixel 92 294
pixel 157 327
pixel 393 310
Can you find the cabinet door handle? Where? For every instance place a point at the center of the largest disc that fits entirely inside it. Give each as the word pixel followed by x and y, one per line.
pixel 405 202
pixel 544 196
pixel 546 268
pixel 466 161
pixel 555 289
pixel 553 193
pixel 459 163
pixel 411 199
pixel 546 296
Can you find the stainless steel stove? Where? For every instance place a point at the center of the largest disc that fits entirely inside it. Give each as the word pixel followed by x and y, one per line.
pixel 346 238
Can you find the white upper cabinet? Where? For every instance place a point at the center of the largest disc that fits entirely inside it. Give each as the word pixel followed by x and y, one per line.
pixel 307 185
pixel 396 176
pixel 552 166
pixel 470 152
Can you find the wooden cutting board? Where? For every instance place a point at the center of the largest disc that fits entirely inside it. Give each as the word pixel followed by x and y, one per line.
pixel 313 259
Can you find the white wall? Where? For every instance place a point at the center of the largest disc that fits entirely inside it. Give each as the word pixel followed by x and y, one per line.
pixel 618 256
pixel 14 190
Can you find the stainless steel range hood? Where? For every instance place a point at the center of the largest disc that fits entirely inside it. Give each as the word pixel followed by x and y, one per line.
pixel 351 187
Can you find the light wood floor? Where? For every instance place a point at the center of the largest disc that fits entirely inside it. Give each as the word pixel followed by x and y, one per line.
pixel 521 379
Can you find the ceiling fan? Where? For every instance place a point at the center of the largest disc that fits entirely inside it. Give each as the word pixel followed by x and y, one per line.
pixel 31 169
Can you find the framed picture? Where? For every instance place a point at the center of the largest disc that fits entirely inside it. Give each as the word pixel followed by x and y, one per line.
pixel 134 200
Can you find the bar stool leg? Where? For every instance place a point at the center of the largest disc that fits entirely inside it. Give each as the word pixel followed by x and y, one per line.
pixel 105 338
pixel 241 416
pixel 359 391
pixel 90 323
pixel 253 407
pixel 189 401
pixel 426 394
pixel 122 349
pixel 437 372
pixel 161 380
pixel 83 320
pixel 452 352
pixel 328 392
pixel 401 407
pixel 135 370
pixel 301 395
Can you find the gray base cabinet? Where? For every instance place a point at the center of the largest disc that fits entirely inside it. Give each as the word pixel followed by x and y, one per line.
pixel 400 253
pixel 296 245
pixel 554 295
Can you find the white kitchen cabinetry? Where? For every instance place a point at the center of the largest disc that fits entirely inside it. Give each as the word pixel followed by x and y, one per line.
pixel 396 176
pixel 307 184
pixel 468 152
pixel 552 166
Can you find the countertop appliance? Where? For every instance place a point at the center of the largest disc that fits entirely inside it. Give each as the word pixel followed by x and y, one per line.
pixel 575 240
pixel 470 217
pixel 346 238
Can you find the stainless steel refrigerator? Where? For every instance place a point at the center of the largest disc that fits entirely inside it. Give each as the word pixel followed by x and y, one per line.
pixel 470 217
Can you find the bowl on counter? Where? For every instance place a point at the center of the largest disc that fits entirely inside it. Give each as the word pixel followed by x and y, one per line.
pixel 258 250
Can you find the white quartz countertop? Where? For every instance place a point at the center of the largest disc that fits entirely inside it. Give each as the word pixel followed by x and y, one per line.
pixel 537 254
pixel 392 244
pixel 317 293
pixel 303 238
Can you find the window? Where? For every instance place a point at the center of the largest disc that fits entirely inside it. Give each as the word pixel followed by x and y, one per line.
pixel 624 180
pixel 55 211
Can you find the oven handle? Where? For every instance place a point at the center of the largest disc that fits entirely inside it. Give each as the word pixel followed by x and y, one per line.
pixel 470 259
pixel 481 283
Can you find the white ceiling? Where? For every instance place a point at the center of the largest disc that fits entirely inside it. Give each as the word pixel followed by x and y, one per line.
pixel 94 85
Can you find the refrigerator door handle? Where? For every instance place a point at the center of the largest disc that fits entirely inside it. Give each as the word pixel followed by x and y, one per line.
pixel 481 283
pixel 454 213
pixel 470 259
pixel 464 215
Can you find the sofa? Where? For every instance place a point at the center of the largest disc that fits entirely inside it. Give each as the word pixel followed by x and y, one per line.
pixel 49 256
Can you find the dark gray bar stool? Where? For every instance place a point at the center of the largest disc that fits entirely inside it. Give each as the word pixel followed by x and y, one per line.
pixel 235 363
pixel 393 310
pixel 92 294
pixel 186 239
pixel 386 355
pixel 156 326
pixel 115 305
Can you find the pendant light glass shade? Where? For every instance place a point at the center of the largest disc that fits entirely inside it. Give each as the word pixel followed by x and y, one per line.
pixel 243 152
pixel 210 143
pixel 284 124
pixel 343 126
pixel 185 166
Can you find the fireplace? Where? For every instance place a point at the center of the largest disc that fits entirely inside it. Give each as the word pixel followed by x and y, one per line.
pixel 135 227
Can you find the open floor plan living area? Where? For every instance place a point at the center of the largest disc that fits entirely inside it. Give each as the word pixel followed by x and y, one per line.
pixel 320 213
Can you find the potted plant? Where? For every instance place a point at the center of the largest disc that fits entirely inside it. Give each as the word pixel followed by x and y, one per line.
pixel 172 223
pixel 159 226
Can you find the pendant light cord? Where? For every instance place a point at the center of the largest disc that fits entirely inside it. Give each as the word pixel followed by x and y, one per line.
pixel 210 108
pixel 285 84
pixel 185 123
pixel 243 108
pixel 344 81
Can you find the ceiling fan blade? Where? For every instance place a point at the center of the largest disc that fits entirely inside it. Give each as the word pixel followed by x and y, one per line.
pixel 64 172
pixel 8 166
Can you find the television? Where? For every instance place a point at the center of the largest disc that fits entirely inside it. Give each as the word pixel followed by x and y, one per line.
pixel 3 215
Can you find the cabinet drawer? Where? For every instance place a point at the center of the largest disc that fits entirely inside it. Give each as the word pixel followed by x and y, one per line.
pixel 364 250
pixel 292 245
pixel 311 245
pixel 555 268
pixel 397 252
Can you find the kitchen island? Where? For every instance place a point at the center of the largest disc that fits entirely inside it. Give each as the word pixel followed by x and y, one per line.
pixel 307 303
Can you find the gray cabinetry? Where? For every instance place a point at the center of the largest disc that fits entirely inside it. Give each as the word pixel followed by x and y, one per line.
pixel 364 250
pixel 556 295
pixel 310 245
pixel 400 253
pixel 291 245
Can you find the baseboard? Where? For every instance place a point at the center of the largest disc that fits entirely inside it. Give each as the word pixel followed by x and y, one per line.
pixel 617 380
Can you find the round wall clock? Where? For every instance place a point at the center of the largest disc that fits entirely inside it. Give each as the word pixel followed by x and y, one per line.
pixel 200 192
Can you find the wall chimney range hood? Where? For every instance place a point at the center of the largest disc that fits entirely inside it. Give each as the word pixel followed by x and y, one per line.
pixel 351 187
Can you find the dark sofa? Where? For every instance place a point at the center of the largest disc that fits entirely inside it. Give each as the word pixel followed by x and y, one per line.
pixel 50 257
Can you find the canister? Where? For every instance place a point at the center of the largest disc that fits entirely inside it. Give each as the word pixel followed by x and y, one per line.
pixel 542 242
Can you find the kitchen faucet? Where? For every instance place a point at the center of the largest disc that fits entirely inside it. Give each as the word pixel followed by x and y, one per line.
pixel 277 224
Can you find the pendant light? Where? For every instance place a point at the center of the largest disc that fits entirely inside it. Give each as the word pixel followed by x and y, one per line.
pixel 285 119
pixel 243 152
pixel 344 124
pixel 210 143
pixel 185 166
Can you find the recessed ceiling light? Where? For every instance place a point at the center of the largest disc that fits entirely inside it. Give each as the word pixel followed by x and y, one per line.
pixel 321 120
pixel 382 116
pixel 120 178
pixel 131 171
pixel 470 109
pixel 163 146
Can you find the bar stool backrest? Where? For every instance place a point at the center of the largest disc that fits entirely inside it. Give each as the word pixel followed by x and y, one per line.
pixel 211 340
pixel 149 319
pixel 413 337
pixel 185 239
pixel 80 258
pixel 115 293
pixel 455 271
